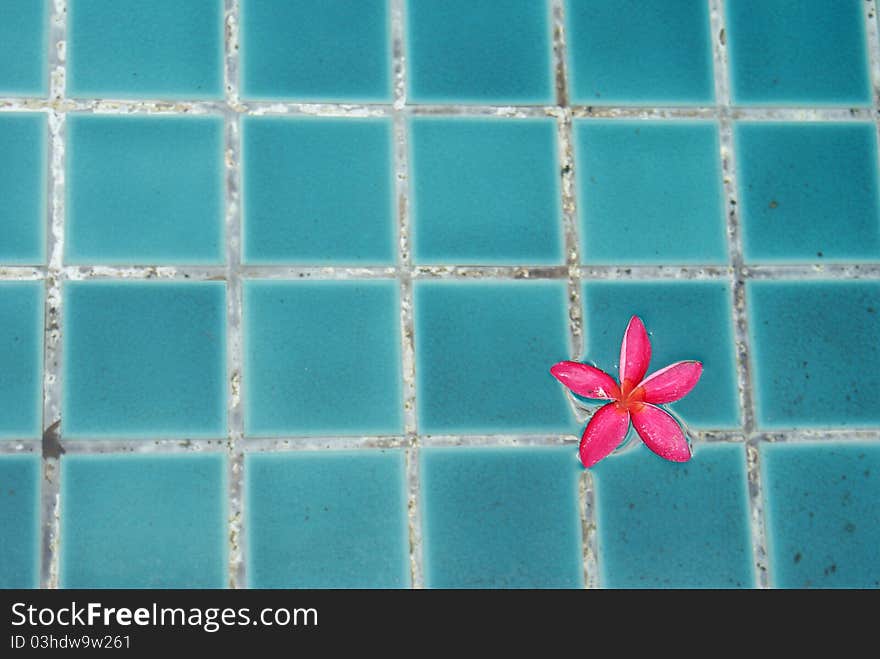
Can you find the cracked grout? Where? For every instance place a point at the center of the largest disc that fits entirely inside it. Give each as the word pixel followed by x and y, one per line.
pixel 303 109
pixel 633 272
pixel 86 445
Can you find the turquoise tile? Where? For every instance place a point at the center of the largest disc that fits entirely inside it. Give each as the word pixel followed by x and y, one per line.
pixel 483 356
pixel 21 359
pixel 821 513
pixel 479 51
pixel 24 39
pixel 808 191
pixel 790 51
pixel 145 190
pixel 327 519
pixel 20 521
pixel 815 352
pixel 485 191
pixel 650 192
pixel 318 191
pixel 144 359
pixel 338 51
pixel 501 518
pixel 322 358
pixel 133 49
pixel 143 521
pixel 633 51
pixel 666 525
pixel 686 320
pixel 23 188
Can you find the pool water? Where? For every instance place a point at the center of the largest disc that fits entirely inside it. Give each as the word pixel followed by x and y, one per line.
pixel 281 283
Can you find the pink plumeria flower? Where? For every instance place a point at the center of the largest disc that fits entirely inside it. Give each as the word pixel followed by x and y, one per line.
pixel 635 399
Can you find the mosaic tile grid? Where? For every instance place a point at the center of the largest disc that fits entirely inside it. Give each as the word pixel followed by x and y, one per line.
pixel 452 412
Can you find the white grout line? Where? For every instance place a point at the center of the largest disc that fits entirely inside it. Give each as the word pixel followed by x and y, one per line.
pixel 838 271
pixel 795 115
pixel 318 272
pixel 873 49
pixel 159 272
pixel 235 421
pixel 388 442
pixel 405 275
pixel 757 519
pixel 573 271
pixel 294 108
pixel 782 271
pixel 497 440
pixel 335 443
pixel 16 446
pixel 22 273
pixel 52 349
pixel 104 446
pixel 739 275
pixel 650 272
pixel 872 37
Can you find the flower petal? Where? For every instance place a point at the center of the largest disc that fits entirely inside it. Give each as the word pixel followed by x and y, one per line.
pixel 635 353
pixel 603 434
pixel 585 380
pixel 672 383
pixel 661 433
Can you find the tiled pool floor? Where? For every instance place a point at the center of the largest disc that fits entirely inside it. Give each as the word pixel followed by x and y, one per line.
pixel 281 282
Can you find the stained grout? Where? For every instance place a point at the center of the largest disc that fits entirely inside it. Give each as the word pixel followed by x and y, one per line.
pixel 636 272
pixel 341 110
pixel 97 445
pixel 405 277
pixel 573 274
pixel 738 283
pixel 233 239
pixel 52 449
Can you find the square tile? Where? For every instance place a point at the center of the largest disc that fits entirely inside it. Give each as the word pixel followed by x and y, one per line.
pixel 145 190
pixel 318 191
pixel 24 42
pixel 483 356
pixel 686 320
pixel 633 51
pixel 20 521
pixel 808 191
pixel 322 358
pixel 133 49
pixel 343 523
pixel 501 518
pixel 821 511
pixel 294 49
pixel 666 525
pixel 485 191
pixel 650 192
pixel 144 359
pixel 479 51
pixel 21 359
pixel 815 352
pixel 795 52
pixel 143 521
pixel 23 188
